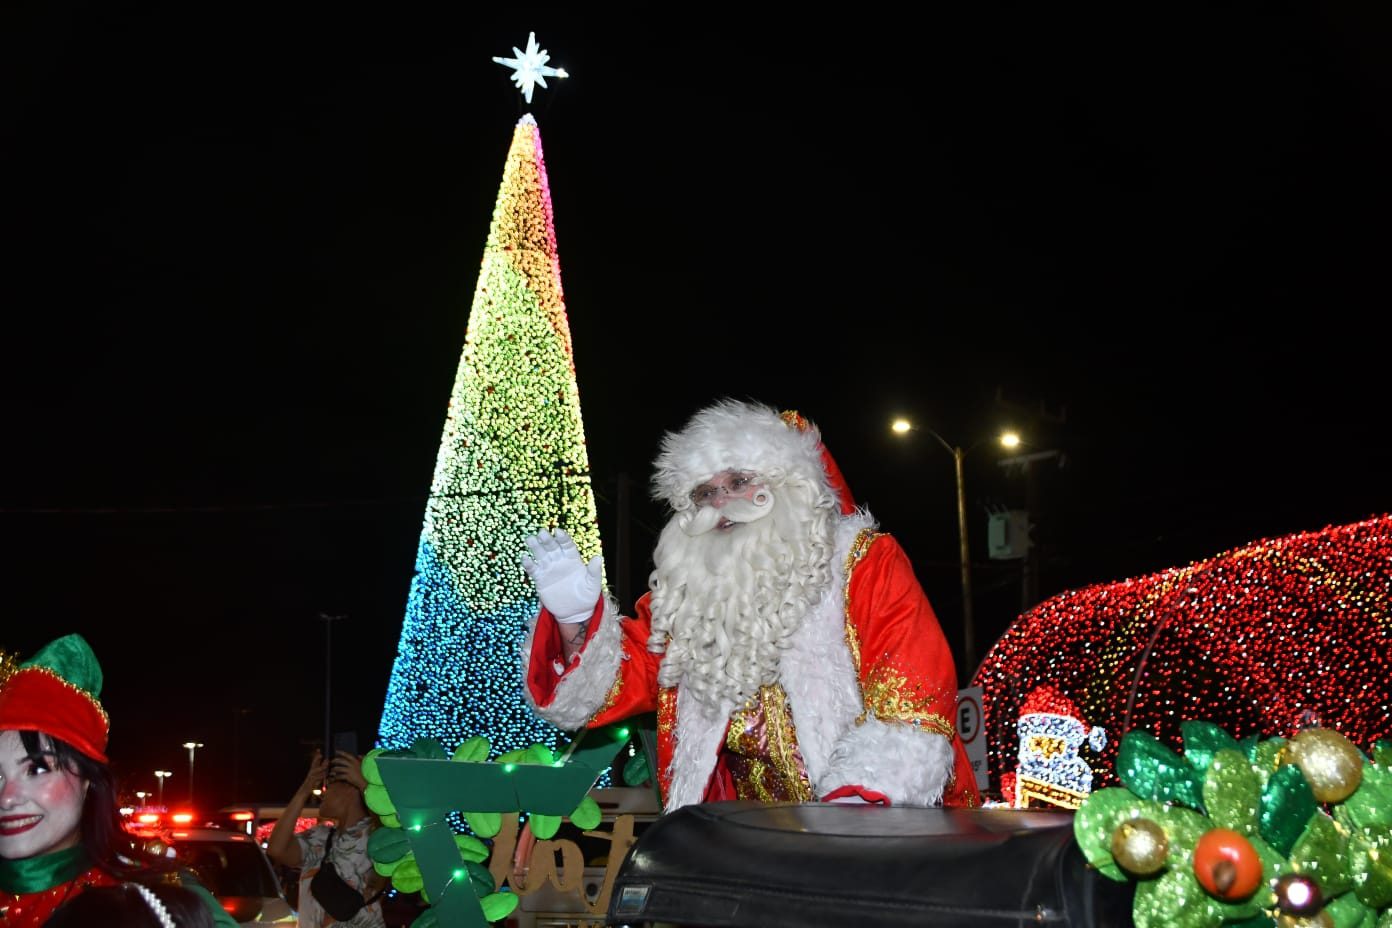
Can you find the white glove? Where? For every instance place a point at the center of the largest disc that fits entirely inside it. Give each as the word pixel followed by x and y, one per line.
pixel 567 587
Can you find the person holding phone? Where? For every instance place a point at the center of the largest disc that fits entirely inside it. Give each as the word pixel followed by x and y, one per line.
pixel 338 884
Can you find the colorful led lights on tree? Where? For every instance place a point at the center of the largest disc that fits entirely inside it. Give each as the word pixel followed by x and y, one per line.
pixel 511 461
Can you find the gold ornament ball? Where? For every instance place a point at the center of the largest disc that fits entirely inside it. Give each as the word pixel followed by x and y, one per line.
pixel 1139 846
pixel 1331 764
pixel 1320 919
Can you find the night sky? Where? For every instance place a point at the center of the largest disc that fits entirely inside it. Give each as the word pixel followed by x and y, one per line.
pixel 240 247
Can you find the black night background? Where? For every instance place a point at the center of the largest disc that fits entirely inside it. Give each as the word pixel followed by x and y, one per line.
pixel 240 246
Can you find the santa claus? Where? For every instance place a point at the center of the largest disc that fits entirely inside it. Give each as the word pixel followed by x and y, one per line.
pixel 785 644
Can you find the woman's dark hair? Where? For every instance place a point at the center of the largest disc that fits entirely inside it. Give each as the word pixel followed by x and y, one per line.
pixel 125 906
pixel 108 843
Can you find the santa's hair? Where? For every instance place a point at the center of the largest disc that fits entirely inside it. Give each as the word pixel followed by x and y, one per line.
pixel 725 605
pixel 739 435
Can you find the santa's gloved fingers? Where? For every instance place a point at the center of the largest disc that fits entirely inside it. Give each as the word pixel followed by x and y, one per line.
pixel 563 542
pixel 548 542
pixel 540 543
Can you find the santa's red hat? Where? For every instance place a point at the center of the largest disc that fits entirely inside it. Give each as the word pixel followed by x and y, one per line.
pixel 744 435
pixel 56 692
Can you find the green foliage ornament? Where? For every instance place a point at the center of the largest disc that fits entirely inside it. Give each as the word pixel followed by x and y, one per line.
pixel 413 791
pixel 587 814
pixel 1256 789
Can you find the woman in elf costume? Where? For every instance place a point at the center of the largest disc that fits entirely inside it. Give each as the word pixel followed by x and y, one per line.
pixel 60 826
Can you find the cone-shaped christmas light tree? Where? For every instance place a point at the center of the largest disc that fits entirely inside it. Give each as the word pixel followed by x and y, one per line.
pixel 512 460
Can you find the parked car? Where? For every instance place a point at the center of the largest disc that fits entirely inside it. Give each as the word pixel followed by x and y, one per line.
pixel 237 872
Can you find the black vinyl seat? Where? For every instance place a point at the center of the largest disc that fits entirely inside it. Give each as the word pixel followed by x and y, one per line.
pixel 763 865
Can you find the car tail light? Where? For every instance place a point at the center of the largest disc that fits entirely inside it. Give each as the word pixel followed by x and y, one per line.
pixel 242 908
pixel 181 818
pixel 148 818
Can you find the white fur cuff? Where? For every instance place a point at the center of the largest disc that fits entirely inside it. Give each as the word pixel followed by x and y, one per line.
pixel 907 764
pixel 580 694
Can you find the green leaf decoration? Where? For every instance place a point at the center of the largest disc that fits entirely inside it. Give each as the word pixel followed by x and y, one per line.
pixel 1274 863
pixel 1175 900
pixel 376 799
pixel 429 749
pixel 471 848
pixel 544 826
pixel 1098 817
pixel 1347 911
pixel 1370 864
pixel 1249 787
pixel 1371 803
pixel 369 767
pixel 1320 854
pixel 1257 921
pixel 587 814
pixel 1286 806
pixel 1184 827
pixel 637 772
pixel 425 791
pixel 1267 756
pixel 407 877
pixel 498 906
pixel 1153 771
pixel 481 879
pixel 1232 790
pixel 388 845
pixel 474 750
pixel 484 824
pixel 515 756
pixel 1203 740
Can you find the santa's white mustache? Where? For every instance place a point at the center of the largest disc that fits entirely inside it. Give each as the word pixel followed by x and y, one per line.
pixel 736 510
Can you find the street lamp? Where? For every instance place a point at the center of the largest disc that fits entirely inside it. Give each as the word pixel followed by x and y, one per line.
pixel 192 746
pixel 1007 439
pixel 162 774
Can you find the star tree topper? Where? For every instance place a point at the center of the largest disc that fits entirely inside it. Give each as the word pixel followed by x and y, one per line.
pixel 529 68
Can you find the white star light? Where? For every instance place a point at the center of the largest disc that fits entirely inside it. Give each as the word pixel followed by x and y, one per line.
pixel 529 67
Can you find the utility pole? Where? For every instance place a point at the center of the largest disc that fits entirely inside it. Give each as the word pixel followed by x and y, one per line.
pixel 237 714
pixel 1029 579
pixel 621 538
pixel 328 621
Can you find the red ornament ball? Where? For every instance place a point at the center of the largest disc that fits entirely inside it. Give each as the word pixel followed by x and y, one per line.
pixel 1227 866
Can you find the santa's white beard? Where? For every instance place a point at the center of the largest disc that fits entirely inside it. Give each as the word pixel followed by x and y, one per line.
pixel 726 602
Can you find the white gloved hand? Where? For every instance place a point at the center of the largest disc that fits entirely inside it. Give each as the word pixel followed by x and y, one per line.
pixel 567 587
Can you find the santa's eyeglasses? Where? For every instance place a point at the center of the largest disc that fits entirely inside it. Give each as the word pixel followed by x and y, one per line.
pixel 733 483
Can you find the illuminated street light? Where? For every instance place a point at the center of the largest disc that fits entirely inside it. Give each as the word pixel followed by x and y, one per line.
pixel 162 774
pixel 1008 440
pixel 192 746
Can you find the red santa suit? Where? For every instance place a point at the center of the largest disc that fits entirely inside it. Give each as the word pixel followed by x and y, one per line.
pixel 864 701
